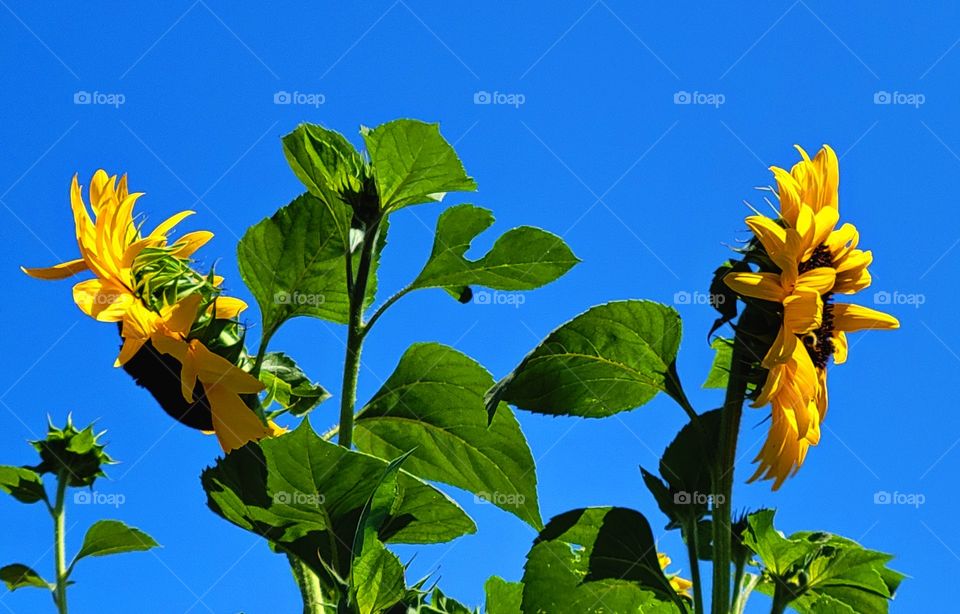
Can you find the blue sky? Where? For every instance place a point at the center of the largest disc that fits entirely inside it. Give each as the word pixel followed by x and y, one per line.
pixel 646 191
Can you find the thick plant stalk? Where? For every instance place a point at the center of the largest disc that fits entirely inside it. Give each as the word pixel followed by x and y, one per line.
pixel 310 589
pixel 59 513
pixel 723 479
pixel 351 365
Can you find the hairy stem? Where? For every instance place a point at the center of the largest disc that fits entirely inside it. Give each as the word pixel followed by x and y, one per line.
pixel 723 478
pixel 59 544
pixel 355 331
pixel 310 588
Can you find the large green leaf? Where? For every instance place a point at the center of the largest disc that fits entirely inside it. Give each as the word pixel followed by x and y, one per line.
pixel 288 385
pixel 23 484
pixel 821 572
pixel 327 164
pixel 522 259
pixel 683 488
pixel 503 597
pixel 412 163
pixel 612 358
pixel 433 405
pixel 293 262
pixel 19 575
pixel 113 537
pixel 306 495
pixel 597 560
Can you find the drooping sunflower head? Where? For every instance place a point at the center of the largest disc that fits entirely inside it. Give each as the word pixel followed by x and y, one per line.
pixel 792 270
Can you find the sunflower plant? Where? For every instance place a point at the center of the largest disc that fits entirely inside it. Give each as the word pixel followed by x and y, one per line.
pixel 334 503
pixel 74 458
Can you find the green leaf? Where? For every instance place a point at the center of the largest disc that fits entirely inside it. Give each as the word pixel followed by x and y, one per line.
pixel 327 164
pixel 503 597
pixel 597 560
pixel 18 575
pixel 24 484
pixel 413 163
pixel 433 405
pixel 294 262
pixel 306 495
pixel 683 489
pixel 289 386
pixel 612 358
pixel 522 259
pixel 106 537
pixel 720 368
pixel 817 570
pixel 377 575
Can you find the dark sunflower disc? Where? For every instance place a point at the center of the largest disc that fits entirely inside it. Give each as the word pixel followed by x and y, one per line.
pixel 160 374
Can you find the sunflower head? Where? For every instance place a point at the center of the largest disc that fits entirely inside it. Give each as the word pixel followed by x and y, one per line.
pixel 75 454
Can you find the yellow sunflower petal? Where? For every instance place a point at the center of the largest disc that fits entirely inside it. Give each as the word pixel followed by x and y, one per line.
pixel 164 228
pixel 802 312
pixel 849 318
pixel 234 423
pixel 102 300
pixel 215 369
pixel 57 271
pixel 226 307
pixel 764 286
pixel 789 191
pixel 190 242
pixel 820 280
pixel 839 347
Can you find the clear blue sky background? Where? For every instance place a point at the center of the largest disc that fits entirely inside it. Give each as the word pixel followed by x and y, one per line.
pixel 647 192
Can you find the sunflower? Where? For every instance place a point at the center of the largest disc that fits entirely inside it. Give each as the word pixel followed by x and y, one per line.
pixel 165 310
pixel 680 585
pixel 810 262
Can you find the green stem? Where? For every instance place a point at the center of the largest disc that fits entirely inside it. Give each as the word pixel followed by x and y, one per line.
pixel 744 589
pixel 310 589
pixel 59 545
pixel 693 548
pixel 723 479
pixel 780 601
pixel 386 305
pixel 355 332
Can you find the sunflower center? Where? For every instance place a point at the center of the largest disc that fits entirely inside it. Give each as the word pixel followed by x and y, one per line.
pixel 821 257
pixel 819 342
